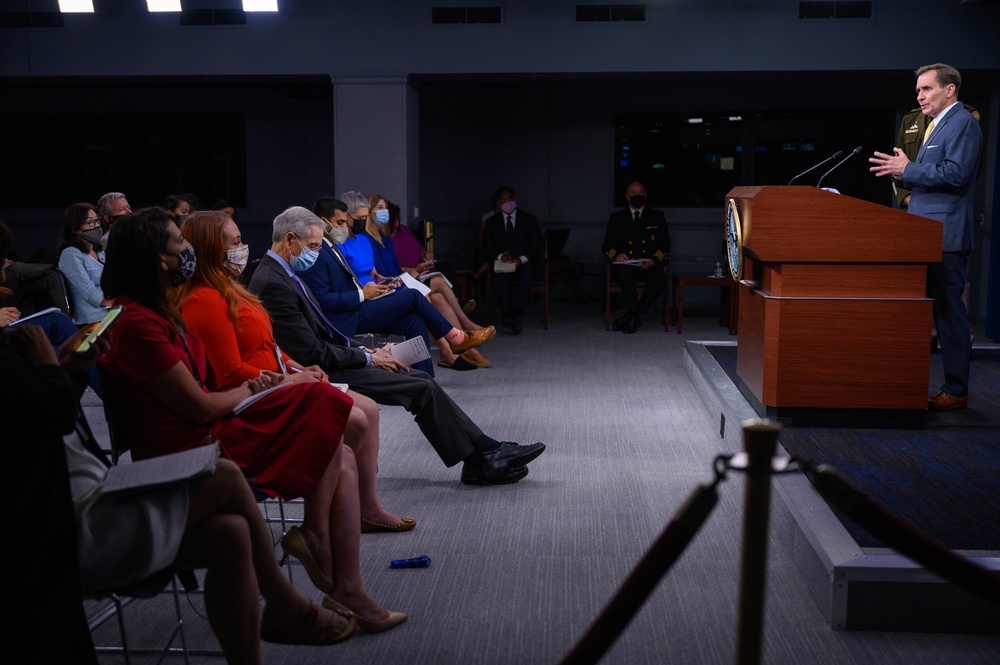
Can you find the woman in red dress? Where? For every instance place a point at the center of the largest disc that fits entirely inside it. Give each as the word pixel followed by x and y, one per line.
pixel 286 444
pixel 236 331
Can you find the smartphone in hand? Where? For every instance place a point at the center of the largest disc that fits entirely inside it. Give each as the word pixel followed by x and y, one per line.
pixel 97 329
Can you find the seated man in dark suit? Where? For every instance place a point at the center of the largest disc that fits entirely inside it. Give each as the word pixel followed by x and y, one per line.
pixel 304 333
pixel 637 233
pixel 513 238
pixel 371 308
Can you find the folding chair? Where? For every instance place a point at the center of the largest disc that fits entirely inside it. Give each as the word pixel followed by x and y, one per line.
pixel 122 596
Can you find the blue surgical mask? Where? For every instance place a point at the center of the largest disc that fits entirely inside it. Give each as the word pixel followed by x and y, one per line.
pixel 305 260
pixel 381 217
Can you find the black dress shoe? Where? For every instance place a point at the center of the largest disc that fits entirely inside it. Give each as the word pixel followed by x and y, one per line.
pixel 620 322
pixel 630 326
pixel 516 326
pixel 509 455
pixel 473 474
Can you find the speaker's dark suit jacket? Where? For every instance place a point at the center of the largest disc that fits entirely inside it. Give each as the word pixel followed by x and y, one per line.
pixel 942 184
pixel 942 180
pixel 911 136
pixel 299 332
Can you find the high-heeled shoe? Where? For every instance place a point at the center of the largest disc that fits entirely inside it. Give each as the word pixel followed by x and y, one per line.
pixel 311 631
pixel 368 625
pixel 294 544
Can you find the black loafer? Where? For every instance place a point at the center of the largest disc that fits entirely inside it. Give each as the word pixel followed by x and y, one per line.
pixel 509 455
pixel 620 322
pixel 473 474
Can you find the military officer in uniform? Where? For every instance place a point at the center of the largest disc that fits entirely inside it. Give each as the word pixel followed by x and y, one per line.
pixel 637 243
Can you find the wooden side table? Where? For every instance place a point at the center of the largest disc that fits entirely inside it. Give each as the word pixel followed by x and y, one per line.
pixel 729 314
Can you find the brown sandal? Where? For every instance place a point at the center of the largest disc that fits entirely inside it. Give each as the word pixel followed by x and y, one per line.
pixel 476 358
pixel 311 631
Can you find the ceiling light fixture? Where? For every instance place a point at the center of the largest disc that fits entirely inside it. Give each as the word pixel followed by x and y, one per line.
pixel 76 6
pixel 260 5
pixel 163 5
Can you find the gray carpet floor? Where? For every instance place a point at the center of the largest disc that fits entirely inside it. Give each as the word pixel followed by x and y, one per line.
pixel 519 571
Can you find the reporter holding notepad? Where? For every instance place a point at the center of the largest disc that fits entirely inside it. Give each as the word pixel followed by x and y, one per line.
pixel 378 231
pixel 212 522
pixel 288 443
pixel 236 331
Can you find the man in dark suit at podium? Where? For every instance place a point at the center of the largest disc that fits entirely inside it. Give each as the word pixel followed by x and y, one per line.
pixel 512 239
pixel 942 182
pixel 912 128
pixel 637 233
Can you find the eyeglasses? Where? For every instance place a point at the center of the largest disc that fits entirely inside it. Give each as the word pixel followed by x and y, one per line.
pixel 91 224
pixel 312 247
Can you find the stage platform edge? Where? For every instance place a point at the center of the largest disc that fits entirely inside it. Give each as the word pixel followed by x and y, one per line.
pixel 854 588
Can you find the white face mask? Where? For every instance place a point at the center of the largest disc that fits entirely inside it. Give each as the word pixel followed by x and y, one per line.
pixel 338 234
pixel 236 259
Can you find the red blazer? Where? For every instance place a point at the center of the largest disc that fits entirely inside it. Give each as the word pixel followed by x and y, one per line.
pixel 236 353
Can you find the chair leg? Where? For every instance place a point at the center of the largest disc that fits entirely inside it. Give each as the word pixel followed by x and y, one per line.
pixel 121 627
pixel 545 306
pixel 607 300
pixel 126 651
pixel 178 628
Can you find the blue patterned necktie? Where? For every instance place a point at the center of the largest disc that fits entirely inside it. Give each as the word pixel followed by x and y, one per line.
pixel 331 330
pixel 346 265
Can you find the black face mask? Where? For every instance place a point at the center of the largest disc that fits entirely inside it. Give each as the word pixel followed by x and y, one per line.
pixel 359 226
pixel 637 200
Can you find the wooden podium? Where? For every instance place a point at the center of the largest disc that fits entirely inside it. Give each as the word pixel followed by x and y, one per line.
pixel 832 306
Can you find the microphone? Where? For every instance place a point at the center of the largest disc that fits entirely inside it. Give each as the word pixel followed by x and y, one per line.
pixel 837 165
pixel 813 168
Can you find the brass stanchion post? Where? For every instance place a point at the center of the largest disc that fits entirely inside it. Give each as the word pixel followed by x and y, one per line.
pixel 760 438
